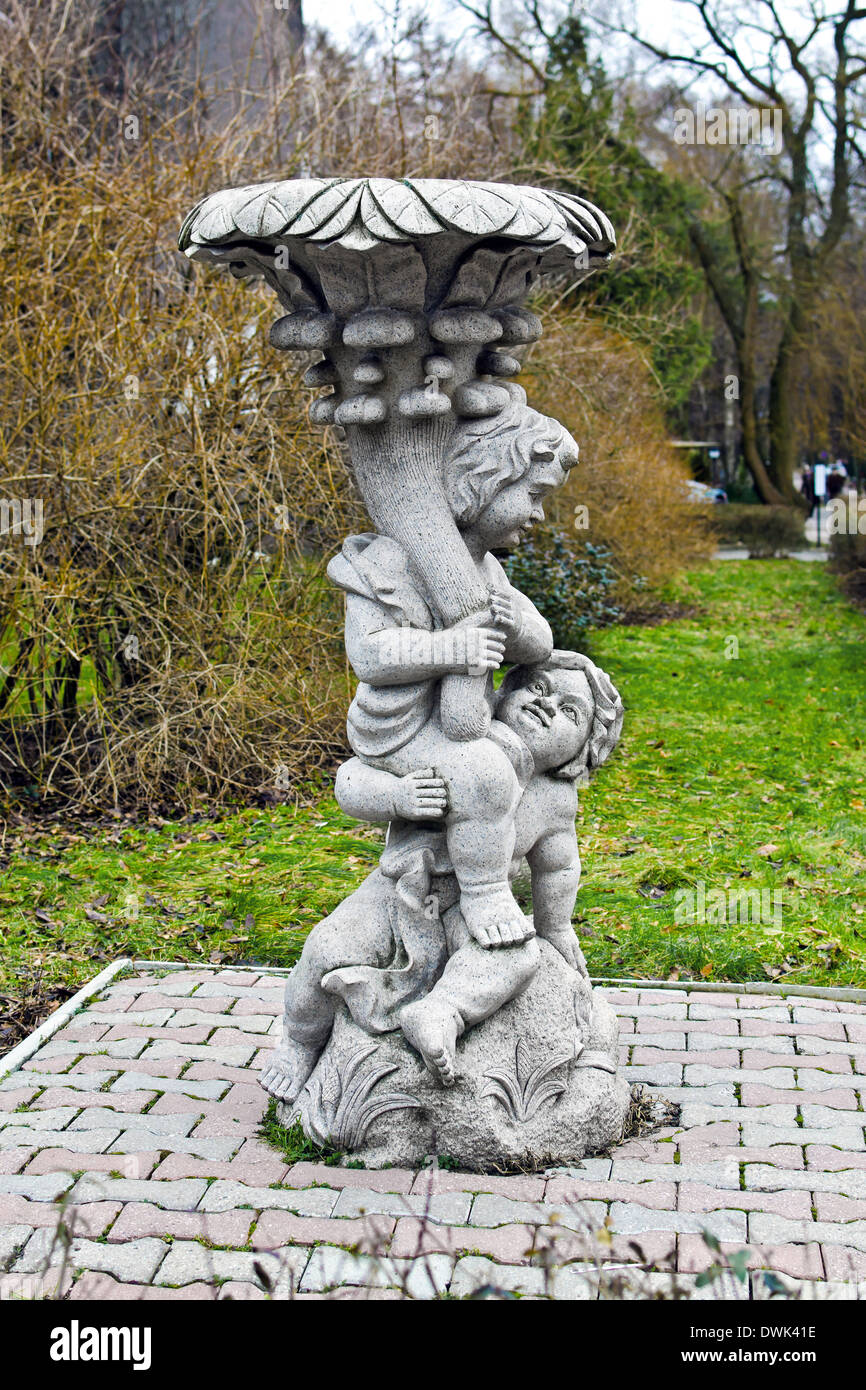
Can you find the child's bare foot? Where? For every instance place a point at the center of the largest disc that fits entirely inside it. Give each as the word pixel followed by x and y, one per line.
pixel 287 1073
pixel 493 917
pixel 430 1026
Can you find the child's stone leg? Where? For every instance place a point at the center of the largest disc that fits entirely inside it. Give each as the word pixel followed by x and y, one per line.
pixel 354 934
pixel 483 794
pixel 474 984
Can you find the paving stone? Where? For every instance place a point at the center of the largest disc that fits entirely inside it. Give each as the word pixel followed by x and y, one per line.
pixel 728 1026
pixel 148 1124
pixel 816 1011
pixel 840 1080
pixel 184 1086
pixel 720 1134
pixel 721 1094
pixel 59 1047
pixel 702 1075
pixel 373 1180
pixel 188 1262
pixel 218 1150
pixel 176 1002
pixel 840 1136
pixel 770 1230
pixel 131 1102
pixel 440 1206
pixel 824 1159
pixel 762 1178
pixel 643 1056
pixel 36 1189
pixel 856 1029
pixel 708 1042
pixel 12 1240
pixel 811 1047
pixel 143 1219
pixel 79 1031
pixel 219 1071
pixel 174 1103
pixel 830 1206
pixel 372 1234
pixel 79 1141
pixel 247 1005
pixel 10 1100
pixel 695 1114
pixel 235 1056
pixel 843 1263
pixel 763 1027
pixel 184 1035
pixel 588 1170
pixel 254 1173
pixel 250 1023
pixel 172 985
pixel 806 1290
pixel 837 1099
pixel 213 1126
pixel 715 1173
pixel 242 977
pixel 474 1272
pixel 661 1196
pixel 225 1195
pixel 101 1288
pixel 655 1074
pixel 164 1068
pixel 176 1196
pixel 761 1001
pixel 56 1118
pixel 721 1011
pixel 672 1011
pixel 673 1042
pixel 628 1218
pixel 695 1197
pixel 140 1018
pixel 60 1160
pixel 49 1064
pixel 135 1259
pixel 421 1279
pixel 822 1116
pixel 523 1188
pixel 802 1261
pixel 13 1160
pixel 216 989
pixel 41 1079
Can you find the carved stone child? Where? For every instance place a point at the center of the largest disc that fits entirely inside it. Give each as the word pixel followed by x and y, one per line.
pixel 553 722
pixel 497 474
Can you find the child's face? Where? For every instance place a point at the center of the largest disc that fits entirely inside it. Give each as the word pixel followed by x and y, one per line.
pixel 516 509
pixel 552 711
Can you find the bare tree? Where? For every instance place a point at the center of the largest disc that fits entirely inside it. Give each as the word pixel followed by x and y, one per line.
pixel 808 65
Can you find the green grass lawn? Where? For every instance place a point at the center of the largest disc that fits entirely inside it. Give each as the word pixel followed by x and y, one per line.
pixel 741 767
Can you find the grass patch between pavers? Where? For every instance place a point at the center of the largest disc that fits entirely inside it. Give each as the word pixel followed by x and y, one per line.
pixel 741 766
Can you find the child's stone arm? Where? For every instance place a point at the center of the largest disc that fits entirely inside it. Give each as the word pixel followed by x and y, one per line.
pixel 387 655
pixel 369 793
pixel 555 866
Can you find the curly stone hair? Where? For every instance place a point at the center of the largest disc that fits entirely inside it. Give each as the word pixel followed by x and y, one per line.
pixel 607 709
pixel 488 455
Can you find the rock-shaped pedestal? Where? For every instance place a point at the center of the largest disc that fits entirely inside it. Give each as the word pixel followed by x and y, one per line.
pixel 521 1100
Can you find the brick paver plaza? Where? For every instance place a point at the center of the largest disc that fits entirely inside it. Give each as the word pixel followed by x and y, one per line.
pixel 136 1125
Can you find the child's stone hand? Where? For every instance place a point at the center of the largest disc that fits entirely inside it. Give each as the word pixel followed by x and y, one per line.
pixel 504 615
pixel 420 795
pixel 565 942
pixel 485 648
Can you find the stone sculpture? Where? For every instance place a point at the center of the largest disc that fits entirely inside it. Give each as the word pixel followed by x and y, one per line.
pixel 428 1013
